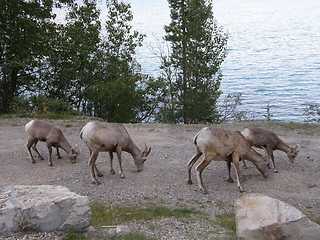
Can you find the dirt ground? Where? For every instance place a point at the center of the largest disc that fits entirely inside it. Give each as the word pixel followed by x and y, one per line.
pixel 164 178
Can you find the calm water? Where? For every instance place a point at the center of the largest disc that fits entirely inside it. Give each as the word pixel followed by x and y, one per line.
pixel 274 51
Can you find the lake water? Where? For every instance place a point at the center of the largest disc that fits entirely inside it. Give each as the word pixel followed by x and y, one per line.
pixel 274 51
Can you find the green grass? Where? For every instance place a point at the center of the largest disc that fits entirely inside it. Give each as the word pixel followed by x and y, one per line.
pixel 71 235
pixel 108 215
pixel 314 218
pixel 227 221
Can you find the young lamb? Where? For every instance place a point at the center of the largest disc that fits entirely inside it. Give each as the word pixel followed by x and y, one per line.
pixel 269 142
pixel 110 137
pixel 38 130
pixel 223 145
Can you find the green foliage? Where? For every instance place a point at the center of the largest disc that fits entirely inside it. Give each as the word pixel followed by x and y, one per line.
pixel 192 70
pixel 228 109
pixel 74 64
pixel 103 215
pixel 114 92
pixel 20 105
pixel 42 104
pixel 25 33
pixel 312 113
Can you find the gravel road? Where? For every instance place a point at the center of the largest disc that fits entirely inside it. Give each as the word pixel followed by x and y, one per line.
pixel 164 178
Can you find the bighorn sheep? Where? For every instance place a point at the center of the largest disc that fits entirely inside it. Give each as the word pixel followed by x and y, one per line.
pixel 38 130
pixel 218 144
pixel 269 142
pixel 110 137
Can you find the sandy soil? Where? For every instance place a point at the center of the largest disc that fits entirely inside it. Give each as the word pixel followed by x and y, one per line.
pixel 164 178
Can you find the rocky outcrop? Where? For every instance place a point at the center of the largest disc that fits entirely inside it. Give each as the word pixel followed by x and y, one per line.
pixel 43 208
pixel 259 217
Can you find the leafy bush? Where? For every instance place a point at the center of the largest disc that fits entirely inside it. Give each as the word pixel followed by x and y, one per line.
pixel 42 104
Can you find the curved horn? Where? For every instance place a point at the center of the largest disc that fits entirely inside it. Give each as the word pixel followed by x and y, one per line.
pixel 146 149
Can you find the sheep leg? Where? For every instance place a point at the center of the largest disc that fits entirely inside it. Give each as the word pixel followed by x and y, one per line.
pixel 244 164
pixel 58 154
pixel 49 146
pixel 118 150
pixel 191 163
pixel 34 147
pixel 111 161
pixel 229 159
pixel 29 144
pixel 207 159
pixel 235 160
pixel 92 167
pixel 266 152
pixel 97 172
pixel 270 153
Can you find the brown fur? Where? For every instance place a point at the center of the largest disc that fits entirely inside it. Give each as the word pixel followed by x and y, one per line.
pixel 270 142
pixel 38 130
pixel 218 144
pixel 110 137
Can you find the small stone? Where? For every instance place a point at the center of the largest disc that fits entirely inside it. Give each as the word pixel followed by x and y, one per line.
pixel 123 230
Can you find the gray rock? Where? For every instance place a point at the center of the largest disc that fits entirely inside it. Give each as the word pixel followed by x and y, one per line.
pixel 117 230
pixel 42 208
pixel 259 217
pixel 123 230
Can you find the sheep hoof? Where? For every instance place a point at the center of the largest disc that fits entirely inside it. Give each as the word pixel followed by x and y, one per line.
pixel 275 171
pixel 100 175
pixel 112 172
pixel 96 182
pixel 190 182
pixel 230 180
pixel 205 192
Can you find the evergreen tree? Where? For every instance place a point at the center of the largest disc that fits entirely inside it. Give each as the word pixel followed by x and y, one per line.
pixel 116 95
pixel 73 62
pixel 192 70
pixel 26 28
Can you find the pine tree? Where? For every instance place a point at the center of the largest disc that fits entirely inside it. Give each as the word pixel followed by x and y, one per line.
pixel 198 48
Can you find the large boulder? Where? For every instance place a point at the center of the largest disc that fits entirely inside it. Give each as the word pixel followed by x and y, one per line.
pixel 42 208
pixel 259 217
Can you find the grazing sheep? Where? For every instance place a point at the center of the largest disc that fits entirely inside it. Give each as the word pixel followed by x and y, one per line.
pixel 110 137
pixel 222 145
pixel 38 130
pixel 269 142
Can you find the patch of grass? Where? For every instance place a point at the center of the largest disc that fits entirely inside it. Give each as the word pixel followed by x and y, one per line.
pixel 71 235
pixel 314 218
pixel 132 236
pixel 221 204
pixel 109 215
pixel 227 221
pixel 153 227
